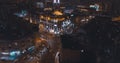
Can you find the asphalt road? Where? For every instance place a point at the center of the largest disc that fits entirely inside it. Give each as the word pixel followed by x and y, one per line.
pixel 71 56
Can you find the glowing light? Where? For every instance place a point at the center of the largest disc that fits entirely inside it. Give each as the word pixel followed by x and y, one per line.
pixel 56 1
pixel 14 53
pixel 58 13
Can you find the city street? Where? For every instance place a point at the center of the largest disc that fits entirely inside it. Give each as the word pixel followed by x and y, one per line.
pixel 59 31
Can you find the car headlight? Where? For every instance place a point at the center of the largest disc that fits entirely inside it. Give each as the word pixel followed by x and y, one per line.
pixel 15 53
